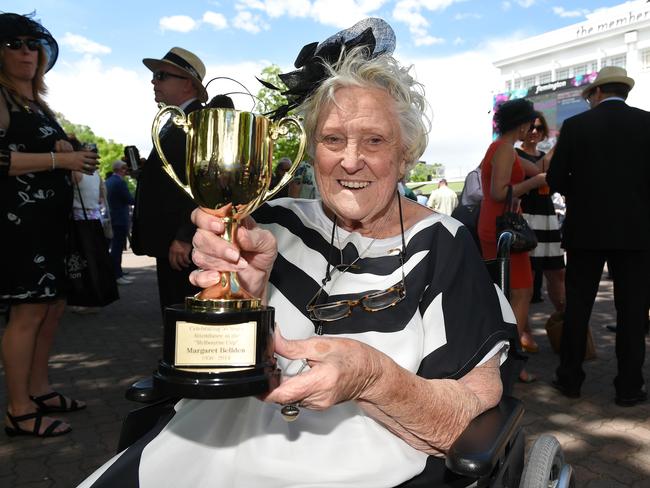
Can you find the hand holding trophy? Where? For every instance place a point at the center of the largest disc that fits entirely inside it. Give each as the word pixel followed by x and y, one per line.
pixel 219 343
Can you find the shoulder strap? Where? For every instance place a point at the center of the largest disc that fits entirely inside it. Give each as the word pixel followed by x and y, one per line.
pixel 81 200
pixel 508 203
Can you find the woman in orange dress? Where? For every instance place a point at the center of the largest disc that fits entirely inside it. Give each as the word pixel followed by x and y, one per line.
pixel 501 167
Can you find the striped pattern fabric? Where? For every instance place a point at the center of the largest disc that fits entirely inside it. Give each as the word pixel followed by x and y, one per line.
pixel 452 319
pixel 539 212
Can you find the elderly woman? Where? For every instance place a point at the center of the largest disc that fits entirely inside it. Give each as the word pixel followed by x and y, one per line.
pixel 35 207
pixel 391 330
pixel 501 169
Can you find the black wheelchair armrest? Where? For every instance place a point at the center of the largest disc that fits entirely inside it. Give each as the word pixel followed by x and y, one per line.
pixel 141 421
pixel 143 391
pixel 486 439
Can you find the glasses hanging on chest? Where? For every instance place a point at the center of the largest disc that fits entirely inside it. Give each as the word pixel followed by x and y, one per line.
pixel 373 301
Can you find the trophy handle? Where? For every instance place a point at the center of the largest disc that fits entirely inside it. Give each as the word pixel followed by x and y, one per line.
pixel 178 118
pixel 277 129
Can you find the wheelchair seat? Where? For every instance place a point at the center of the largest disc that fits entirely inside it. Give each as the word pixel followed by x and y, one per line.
pixel 490 450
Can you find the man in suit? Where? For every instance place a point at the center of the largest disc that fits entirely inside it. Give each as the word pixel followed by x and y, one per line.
pixel 594 148
pixel 161 223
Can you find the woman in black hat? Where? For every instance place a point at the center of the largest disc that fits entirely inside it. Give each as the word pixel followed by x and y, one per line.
pixel 502 168
pixel 35 204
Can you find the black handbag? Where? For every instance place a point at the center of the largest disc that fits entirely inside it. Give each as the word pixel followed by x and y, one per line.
pixel 524 238
pixel 90 276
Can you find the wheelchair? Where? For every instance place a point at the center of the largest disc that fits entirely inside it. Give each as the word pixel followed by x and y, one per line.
pixel 489 451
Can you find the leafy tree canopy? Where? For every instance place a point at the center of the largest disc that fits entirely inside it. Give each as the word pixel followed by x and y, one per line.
pixel 268 100
pixel 108 150
pixel 425 172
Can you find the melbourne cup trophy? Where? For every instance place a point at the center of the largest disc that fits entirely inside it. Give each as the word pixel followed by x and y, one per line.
pixel 219 343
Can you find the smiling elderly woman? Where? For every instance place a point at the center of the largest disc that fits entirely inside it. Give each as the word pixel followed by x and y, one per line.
pixel 387 303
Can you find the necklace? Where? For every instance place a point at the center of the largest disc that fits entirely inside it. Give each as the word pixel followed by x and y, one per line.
pixel 335 231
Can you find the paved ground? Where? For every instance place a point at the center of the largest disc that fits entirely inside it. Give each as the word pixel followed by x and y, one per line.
pixel 97 356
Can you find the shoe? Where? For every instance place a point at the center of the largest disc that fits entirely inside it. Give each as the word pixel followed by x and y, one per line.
pixel 526 377
pixel 565 390
pixel 84 310
pixel 63 405
pixel 528 344
pixel 629 401
pixel 123 281
pixel 49 432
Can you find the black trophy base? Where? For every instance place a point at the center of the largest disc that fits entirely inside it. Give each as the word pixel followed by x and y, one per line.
pixel 176 377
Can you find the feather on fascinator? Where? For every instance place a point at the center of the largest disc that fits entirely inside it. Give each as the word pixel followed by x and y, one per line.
pixel 374 34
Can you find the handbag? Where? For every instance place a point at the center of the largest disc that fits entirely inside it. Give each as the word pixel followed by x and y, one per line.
pixel 468 213
pixel 89 269
pixel 554 326
pixel 524 238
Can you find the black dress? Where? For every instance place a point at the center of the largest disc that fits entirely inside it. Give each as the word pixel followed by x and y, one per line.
pixel 34 212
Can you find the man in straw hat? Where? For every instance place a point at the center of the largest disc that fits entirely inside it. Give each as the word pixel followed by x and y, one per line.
pixel 161 221
pixel 595 147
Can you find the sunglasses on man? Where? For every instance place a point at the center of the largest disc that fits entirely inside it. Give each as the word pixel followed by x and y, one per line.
pixel 163 75
pixel 538 128
pixel 16 44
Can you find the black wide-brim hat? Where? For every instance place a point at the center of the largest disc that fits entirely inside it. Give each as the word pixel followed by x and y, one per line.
pixel 16 25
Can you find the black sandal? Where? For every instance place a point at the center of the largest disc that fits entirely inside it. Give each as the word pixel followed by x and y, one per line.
pixel 49 432
pixel 61 407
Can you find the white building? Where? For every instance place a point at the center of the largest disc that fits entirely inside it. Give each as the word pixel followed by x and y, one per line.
pixel 551 68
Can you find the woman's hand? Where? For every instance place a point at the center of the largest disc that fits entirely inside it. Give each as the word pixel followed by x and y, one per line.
pixel 84 161
pixel 538 180
pixel 340 370
pixel 63 146
pixel 252 258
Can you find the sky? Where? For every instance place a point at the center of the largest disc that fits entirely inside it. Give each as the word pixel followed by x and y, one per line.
pixel 99 79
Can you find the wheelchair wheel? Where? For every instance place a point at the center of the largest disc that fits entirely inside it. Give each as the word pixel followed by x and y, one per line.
pixel 545 467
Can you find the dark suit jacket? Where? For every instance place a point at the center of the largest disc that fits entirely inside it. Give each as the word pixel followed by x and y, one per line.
pixel 602 167
pixel 162 209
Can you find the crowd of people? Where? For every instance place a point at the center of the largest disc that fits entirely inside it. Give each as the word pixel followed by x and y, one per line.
pixel 370 288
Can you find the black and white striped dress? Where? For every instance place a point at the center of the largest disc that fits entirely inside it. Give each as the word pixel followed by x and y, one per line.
pixel 451 320
pixel 539 212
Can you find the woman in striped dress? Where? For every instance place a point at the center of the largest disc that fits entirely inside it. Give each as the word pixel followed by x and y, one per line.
pixel 539 212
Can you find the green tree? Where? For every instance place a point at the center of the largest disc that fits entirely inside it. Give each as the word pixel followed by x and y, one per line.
pixel 268 100
pixel 108 150
pixel 423 171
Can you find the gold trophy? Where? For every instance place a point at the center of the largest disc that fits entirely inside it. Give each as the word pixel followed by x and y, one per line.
pixel 219 344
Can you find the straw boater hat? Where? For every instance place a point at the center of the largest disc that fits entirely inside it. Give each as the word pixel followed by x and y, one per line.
pixel 609 74
pixel 183 60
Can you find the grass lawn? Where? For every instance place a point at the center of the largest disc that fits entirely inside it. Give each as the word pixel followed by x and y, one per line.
pixel 427 187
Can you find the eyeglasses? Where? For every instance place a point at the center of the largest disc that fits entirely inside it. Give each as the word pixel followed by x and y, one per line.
pixel 538 128
pixel 374 301
pixel 163 75
pixel 16 44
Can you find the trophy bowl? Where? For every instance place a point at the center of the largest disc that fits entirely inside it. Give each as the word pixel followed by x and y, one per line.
pixel 219 343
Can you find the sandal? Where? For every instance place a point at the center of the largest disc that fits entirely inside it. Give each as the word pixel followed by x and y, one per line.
pixel 528 344
pixel 49 432
pixel 63 405
pixel 526 377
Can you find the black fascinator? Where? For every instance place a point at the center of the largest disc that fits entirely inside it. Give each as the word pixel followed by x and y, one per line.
pixel 15 25
pixel 374 34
